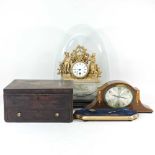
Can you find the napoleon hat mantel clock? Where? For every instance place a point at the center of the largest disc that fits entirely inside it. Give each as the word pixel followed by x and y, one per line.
pixel 81 67
pixel 116 100
pixel 119 94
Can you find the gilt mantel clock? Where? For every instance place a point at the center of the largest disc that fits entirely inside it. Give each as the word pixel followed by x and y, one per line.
pixel 80 66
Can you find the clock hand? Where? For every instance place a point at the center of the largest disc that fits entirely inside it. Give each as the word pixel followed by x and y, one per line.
pixel 119 96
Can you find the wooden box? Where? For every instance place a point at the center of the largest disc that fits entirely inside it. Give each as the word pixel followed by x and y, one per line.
pixel 38 101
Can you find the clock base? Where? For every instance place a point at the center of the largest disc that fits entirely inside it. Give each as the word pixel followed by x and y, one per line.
pixel 88 79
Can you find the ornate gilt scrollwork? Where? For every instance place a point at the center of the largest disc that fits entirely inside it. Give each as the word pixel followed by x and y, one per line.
pixel 79 54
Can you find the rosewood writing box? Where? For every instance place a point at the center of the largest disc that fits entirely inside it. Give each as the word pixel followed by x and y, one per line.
pixel 38 101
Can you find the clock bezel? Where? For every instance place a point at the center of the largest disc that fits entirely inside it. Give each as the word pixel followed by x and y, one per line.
pixel 119 85
pixel 82 77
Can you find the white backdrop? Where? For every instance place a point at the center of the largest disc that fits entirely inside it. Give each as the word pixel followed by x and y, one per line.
pixel 30 34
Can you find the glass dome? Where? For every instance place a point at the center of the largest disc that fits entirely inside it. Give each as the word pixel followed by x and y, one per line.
pixel 83 49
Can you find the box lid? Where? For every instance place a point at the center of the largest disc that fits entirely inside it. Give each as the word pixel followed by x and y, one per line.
pixel 39 87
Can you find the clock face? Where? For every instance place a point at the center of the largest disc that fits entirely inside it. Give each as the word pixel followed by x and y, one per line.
pixel 118 96
pixel 79 70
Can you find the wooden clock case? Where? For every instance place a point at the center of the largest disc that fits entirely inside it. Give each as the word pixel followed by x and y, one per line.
pixel 136 104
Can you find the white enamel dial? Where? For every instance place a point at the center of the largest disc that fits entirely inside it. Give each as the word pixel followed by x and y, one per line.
pixel 79 69
pixel 118 96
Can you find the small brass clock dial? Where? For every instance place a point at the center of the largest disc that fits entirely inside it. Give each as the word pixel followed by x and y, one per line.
pixel 80 70
pixel 118 96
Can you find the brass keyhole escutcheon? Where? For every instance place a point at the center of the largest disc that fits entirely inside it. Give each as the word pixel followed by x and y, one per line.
pixel 57 114
pixel 19 114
